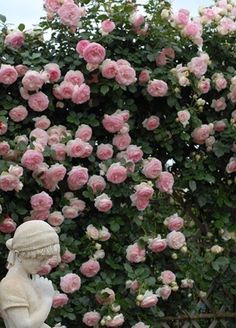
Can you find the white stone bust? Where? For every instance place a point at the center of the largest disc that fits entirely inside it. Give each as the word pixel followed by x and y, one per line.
pixel 26 298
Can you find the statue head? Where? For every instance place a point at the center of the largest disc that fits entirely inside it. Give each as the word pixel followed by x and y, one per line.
pixel 33 244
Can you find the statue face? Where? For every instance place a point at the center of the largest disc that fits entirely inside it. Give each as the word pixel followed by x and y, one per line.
pixel 32 266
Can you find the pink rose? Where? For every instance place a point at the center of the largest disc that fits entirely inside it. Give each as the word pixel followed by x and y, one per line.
pixel 15 39
pixel 3 127
pixel 157 245
pixel 204 85
pixel 65 90
pixel 192 29
pixel 231 166
pixel 121 141
pixel 68 257
pixel 157 88
pixel 31 159
pixel 4 148
pixel 77 177
pixel 70 283
pixel 53 71
pixel 39 214
pixel 116 173
pixel 113 123
pixel 201 133
pixel 198 65
pixel 183 117
pixel 144 190
pixel 38 102
pixel 134 153
pixel 219 126
pixel 94 53
pixel 104 234
pixel 8 74
pixel 70 212
pixel 18 114
pixel 58 151
pixel 126 75
pixel 220 83
pixel 80 47
pixel 55 218
pixel 76 148
pixel 97 183
pixel 109 69
pixel 41 201
pixel 90 268
pixel 152 168
pixel 175 239
pixel 7 225
pixel 174 222
pixel 144 76
pixel 21 69
pixel 218 104
pixel 91 318
pixel 52 5
pixel 42 122
pixel 59 300
pixel 140 203
pixel 69 14
pixel 151 123
pixel 181 17
pixel 32 81
pixel 164 292
pixel 84 132
pixel 167 277
pixel 81 94
pixel 149 300
pixel 140 325
pixel 107 27
pixel 135 254
pixel 116 321
pixel 44 270
pixel 165 182
pixel 103 203
pixel 74 77
pixel 104 151
pixel 105 296
pixel 92 232
pixel 78 203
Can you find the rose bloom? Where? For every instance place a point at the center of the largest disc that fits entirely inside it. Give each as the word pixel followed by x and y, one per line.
pixel 198 65
pixel 105 296
pixel 157 245
pixel 78 203
pixel 68 257
pixel 21 69
pixel 38 102
pixel 134 153
pixel 69 14
pixel 116 321
pixel 32 80
pixel 3 127
pixel 65 90
pixel 109 69
pixel 157 88
pixel 91 318
pixel 174 222
pixel 175 239
pixel 183 117
pixel 144 190
pixel 18 114
pixel 8 74
pixel 113 123
pixel 135 254
pixel 104 234
pixel 165 182
pixel 140 202
pixel 44 270
pixel 42 122
pixel 140 325
pixel 52 5
pixel 149 300
pixel 74 77
pixel 164 292
pixel 144 76
pixel 41 201
pixel 103 203
pixel 231 166
pixel 31 159
pixel 201 133
pixel 219 126
pixel 54 72
pixel 58 151
pixel 107 26
pixel 126 75
pixel 94 53
pixel 92 232
pixel 181 17
pixel 55 218
pixel 204 85
pixel 7 225
pixel 70 212
pixel 39 215
pixel 76 148
pixel 152 168
pixel 218 104
pixel 151 123
pixel 90 268
pixel 116 173
pixel 167 277
pixel 70 283
pixel 4 148
pixel 59 300
pixel 80 47
pixel 104 151
pixel 77 177
pixel 97 183
pixel 84 132
pixel 15 39
pixel 81 94
pixel 121 141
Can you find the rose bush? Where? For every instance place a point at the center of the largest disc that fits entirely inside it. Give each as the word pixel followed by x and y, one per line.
pixel 132 161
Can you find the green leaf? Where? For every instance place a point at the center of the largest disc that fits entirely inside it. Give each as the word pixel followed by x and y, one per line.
pixel 220 149
pixel 21 27
pixel 104 89
pixel 192 185
pixel 3 18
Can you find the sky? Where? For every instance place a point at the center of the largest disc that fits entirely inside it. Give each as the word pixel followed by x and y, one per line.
pixel 29 11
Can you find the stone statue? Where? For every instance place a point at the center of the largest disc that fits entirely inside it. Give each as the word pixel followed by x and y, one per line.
pixel 26 298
